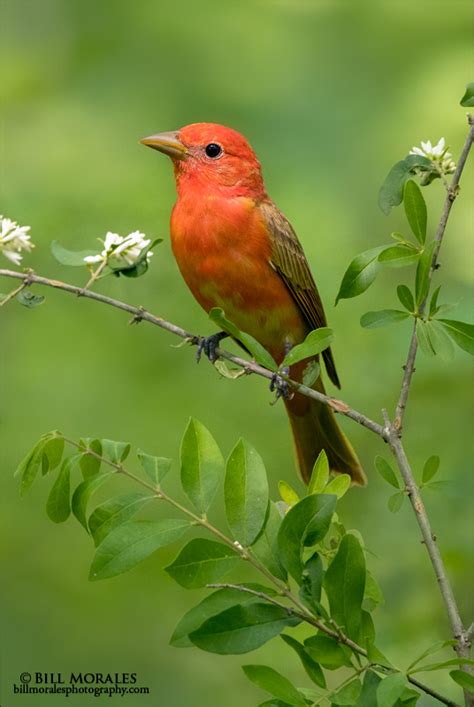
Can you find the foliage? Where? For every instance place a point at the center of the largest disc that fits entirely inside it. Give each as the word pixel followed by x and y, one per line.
pixel 331 588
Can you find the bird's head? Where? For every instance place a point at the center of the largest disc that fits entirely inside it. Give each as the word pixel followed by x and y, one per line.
pixel 213 157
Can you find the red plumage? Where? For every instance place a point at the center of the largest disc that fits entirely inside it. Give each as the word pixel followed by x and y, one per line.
pixel 237 251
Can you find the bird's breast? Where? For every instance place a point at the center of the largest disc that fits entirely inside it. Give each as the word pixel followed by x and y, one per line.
pixel 223 250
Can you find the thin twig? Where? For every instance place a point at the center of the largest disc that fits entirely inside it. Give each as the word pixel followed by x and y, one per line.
pixel 13 293
pixel 140 314
pixel 451 195
pixel 95 275
pixel 463 641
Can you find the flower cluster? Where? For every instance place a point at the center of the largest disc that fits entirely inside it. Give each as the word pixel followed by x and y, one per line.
pixel 126 249
pixel 14 239
pixel 438 154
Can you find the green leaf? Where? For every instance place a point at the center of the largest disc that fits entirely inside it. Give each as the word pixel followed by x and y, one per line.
pixel 155 468
pixel 304 524
pixel 339 485
pixel 465 680
pixel 266 546
pixel 344 583
pixel 368 696
pixel 58 506
pixel 82 494
pixel 201 465
pixel 386 471
pixel 423 338
pixel 311 373
pixel 415 209
pixel 53 452
pixel 375 656
pixel 117 452
pixel 260 354
pixel 434 648
pixel 30 464
pixel 395 502
pixel 245 493
pixel 28 299
pixel 273 682
pixel 422 280
pixel 287 493
pixel 468 99
pixel 320 474
pixel 399 256
pixel 373 320
pixel 443 664
pixel 430 468
pixel 406 298
pixel 328 652
pixel 316 341
pixel 349 694
pixel 131 543
pixel 89 464
pixel 242 628
pixel 372 594
pixel 70 257
pixel 434 302
pixel 114 512
pixel 461 333
pixel 313 670
pixel 312 581
pixel 138 267
pixel 391 191
pixel 440 341
pixel 202 562
pixel 360 274
pixel 390 689
pixel 212 605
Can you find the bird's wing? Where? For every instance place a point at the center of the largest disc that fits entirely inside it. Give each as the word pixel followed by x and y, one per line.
pixel 289 261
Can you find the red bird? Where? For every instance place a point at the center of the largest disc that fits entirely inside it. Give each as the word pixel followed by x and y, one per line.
pixel 237 251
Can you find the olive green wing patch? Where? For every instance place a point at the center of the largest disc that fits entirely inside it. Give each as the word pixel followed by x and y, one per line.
pixel 289 261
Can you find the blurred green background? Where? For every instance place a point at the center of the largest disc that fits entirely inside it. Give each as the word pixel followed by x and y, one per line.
pixel 330 94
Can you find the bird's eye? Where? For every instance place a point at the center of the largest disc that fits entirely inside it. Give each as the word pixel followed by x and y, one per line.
pixel 213 150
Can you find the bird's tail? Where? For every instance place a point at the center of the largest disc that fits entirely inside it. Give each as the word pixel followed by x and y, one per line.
pixel 315 428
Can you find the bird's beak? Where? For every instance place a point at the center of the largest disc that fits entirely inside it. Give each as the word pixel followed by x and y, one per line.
pixel 168 143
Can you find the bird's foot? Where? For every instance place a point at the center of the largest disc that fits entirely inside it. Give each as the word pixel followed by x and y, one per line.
pixel 208 346
pixel 280 386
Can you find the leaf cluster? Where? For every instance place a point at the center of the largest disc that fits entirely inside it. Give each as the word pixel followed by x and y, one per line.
pixel 314 569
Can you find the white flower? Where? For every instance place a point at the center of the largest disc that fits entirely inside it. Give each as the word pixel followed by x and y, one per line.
pixel 14 239
pixel 126 248
pixel 438 154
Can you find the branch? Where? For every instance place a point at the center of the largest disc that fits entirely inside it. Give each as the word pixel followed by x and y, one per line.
pixel 452 192
pixel 301 611
pixel 338 636
pixel 394 434
pixel 140 314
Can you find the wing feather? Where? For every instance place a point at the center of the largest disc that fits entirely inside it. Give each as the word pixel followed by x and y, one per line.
pixel 289 261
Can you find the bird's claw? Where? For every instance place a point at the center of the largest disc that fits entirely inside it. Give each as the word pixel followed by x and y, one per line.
pixel 280 386
pixel 208 346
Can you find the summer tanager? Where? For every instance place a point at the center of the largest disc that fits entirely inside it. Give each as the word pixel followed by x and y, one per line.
pixel 237 251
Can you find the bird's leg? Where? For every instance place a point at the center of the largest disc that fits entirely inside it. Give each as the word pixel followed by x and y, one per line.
pixel 278 384
pixel 208 345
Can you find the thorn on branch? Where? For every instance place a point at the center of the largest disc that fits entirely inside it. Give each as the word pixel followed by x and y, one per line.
pixel 29 278
pixel 138 316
